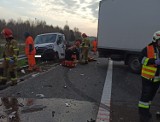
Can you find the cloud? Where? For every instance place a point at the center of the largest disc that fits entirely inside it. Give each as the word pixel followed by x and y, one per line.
pixel 78 13
pixel 94 8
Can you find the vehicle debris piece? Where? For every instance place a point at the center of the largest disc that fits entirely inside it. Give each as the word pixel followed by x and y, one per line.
pixel 82 74
pixel 20 105
pixel 53 112
pixel 21 79
pixel 39 95
pixel 12 115
pixel 34 75
pixel 91 120
pixel 65 86
pixel 32 108
pixel 67 104
pixel 2 116
pixel 23 71
pixel 8 111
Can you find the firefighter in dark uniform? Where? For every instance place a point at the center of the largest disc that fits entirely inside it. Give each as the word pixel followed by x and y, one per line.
pixel 10 55
pixel 150 59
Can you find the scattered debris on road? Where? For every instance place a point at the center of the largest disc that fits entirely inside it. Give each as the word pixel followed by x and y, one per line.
pixel 67 104
pixel 23 71
pixel 32 108
pixel 39 95
pixel 34 75
pixel 91 120
pixel 53 112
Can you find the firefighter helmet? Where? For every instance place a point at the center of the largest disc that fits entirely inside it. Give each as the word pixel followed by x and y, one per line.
pixel 7 33
pixel 84 35
pixel 156 36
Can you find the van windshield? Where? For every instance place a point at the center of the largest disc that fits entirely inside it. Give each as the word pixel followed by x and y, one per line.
pixel 49 38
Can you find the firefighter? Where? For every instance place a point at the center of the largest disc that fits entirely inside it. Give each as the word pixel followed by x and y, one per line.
pixel 84 49
pixel 10 55
pixel 150 59
pixel 30 51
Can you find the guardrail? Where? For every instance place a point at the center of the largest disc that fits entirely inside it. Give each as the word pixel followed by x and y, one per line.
pixel 20 57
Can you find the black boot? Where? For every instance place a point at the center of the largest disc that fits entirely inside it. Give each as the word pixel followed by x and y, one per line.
pixel 13 78
pixel 2 80
pixel 145 115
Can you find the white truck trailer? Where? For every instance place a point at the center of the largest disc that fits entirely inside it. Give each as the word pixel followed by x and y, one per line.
pixel 125 27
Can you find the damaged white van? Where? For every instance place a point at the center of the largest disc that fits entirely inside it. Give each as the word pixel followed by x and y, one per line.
pixel 50 46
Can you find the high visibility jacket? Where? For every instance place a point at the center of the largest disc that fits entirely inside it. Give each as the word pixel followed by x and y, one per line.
pixel 11 50
pixel 94 44
pixel 149 71
pixel 29 46
pixel 85 42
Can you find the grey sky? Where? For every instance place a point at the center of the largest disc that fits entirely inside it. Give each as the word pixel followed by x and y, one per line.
pixel 78 13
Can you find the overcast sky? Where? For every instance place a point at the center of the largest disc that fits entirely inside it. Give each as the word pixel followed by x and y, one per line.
pixel 76 13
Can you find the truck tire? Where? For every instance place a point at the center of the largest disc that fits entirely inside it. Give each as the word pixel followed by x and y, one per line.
pixel 134 64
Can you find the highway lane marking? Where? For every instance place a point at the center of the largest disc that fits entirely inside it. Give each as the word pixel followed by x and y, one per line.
pixel 104 114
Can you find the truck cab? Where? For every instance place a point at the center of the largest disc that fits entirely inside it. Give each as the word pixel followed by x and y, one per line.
pixel 50 46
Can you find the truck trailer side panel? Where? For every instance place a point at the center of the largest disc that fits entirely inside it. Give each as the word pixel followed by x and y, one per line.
pixel 125 27
pixel 127 24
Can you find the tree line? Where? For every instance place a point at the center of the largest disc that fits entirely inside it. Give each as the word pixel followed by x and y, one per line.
pixel 36 27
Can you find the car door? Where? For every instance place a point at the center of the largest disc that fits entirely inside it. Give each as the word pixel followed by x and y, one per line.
pixel 61 46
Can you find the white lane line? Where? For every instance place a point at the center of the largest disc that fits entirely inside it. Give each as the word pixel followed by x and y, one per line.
pixel 104 114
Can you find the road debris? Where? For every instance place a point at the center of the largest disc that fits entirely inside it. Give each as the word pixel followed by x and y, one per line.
pixel 23 71
pixel 65 86
pixel 67 104
pixel 2 116
pixel 20 105
pixel 82 74
pixel 12 115
pixel 91 120
pixel 53 112
pixel 21 79
pixel 39 95
pixel 34 75
pixel 32 108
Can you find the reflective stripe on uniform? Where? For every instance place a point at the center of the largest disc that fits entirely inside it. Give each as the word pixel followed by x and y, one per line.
pixel 145 60
pixel 150 68
pixel 148 71
pixel 143 104
pixel 156 79
pixel 3 78
pixel 13 79
pixel 7 58
pixel 16 49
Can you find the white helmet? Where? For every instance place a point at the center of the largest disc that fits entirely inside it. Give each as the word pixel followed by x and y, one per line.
pixel 156 36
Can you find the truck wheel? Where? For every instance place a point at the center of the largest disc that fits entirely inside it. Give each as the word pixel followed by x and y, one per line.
pixel 134 64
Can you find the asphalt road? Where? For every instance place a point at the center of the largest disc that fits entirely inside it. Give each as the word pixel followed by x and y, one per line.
pixel 58 95
pixel 73 95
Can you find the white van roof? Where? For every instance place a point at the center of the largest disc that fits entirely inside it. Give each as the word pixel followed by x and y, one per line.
pixel 50 33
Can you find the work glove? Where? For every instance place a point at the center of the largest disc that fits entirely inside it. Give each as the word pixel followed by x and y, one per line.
pixel 11 61
pixel 157 62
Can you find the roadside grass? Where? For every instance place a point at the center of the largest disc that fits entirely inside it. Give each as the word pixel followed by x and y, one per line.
pixel 22 62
